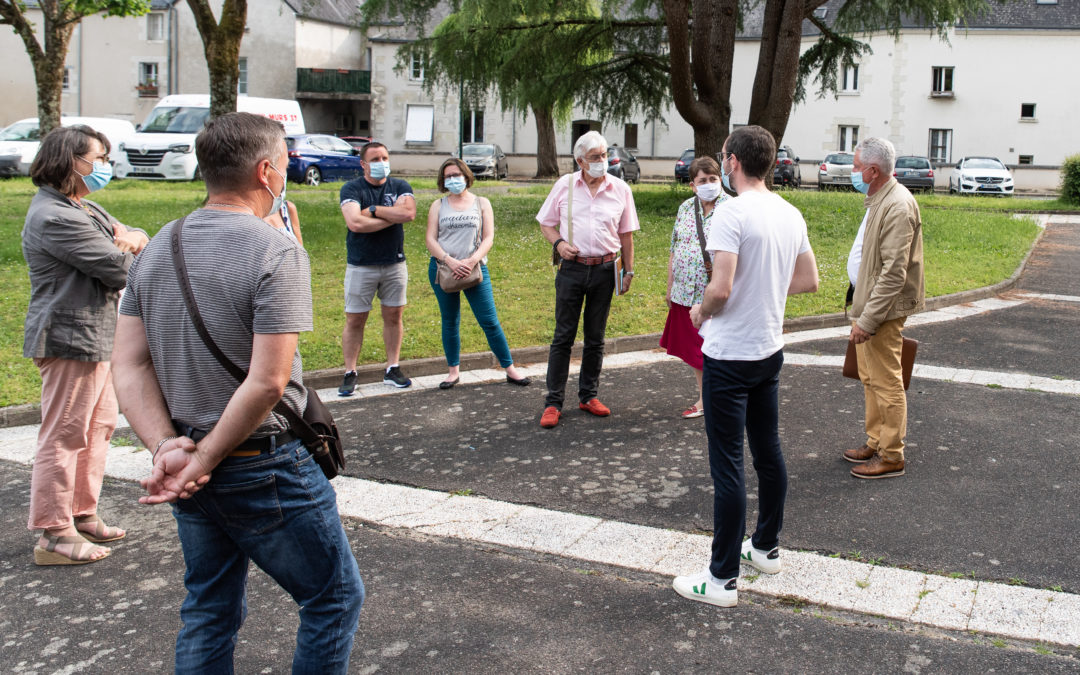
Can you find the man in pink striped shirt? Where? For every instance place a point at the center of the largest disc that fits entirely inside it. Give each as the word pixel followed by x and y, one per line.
pixel 588 217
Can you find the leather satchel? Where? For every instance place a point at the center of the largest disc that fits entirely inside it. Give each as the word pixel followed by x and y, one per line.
pixel 907 360
pixel 316 428
pixel 451 284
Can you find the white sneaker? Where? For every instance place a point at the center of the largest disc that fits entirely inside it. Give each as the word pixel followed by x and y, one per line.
pixel 767 562
pixel 704 587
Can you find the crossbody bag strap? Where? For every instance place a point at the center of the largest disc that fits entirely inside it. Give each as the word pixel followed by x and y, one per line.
pixel 570 211
pixel 699 221
pixel 180 266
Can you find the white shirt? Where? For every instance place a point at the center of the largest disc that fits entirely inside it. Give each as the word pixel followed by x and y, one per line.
pixel 854 259
pixel 767 234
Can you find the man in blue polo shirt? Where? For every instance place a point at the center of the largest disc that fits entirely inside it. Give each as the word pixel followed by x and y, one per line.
pixel 375 207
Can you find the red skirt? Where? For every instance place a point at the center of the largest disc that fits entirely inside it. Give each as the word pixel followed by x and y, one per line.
pixel 680 338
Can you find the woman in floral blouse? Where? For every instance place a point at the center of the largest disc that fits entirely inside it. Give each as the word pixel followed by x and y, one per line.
pixel 687 274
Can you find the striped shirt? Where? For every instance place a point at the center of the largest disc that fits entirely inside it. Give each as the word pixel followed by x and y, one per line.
pixel 246 279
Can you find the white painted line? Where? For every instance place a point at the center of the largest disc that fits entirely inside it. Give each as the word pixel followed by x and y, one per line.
pixel 1051 296
pixel 958 604
pixel 1005 380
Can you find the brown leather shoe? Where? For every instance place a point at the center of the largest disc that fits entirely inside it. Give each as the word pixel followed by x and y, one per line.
pixel 550 417
pixel 860 455
pixel 878 468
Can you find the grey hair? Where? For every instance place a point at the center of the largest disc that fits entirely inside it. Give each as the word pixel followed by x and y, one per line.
pixel 587 142
pixel 229 147
pixel 879 152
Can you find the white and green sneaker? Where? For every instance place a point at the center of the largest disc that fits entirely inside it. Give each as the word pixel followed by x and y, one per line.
pixel 767 562
pixel 704 587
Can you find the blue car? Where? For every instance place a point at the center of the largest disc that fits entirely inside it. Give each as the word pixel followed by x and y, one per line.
pixel 314 158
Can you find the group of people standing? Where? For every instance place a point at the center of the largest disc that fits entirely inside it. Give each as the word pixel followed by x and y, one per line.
pixel 244 486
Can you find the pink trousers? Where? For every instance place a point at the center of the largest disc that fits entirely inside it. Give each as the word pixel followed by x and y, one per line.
pixel 78 416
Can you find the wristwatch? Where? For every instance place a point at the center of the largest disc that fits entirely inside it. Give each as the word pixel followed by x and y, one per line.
pixel 629 273
pixel 371 209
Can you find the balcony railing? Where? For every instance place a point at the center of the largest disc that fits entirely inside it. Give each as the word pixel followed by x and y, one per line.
pixel 333 81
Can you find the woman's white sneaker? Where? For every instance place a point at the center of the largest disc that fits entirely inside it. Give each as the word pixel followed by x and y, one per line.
pixel 704 587
pixel 767 562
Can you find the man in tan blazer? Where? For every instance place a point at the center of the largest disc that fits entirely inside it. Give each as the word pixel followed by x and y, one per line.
pixel 886 267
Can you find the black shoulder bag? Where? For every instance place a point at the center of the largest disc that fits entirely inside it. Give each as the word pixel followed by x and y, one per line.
pixel 315 428
pixel 701 238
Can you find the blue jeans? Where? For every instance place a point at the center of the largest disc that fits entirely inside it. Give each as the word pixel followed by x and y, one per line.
pixel 482 303
pixel 279 511
pixel 738 395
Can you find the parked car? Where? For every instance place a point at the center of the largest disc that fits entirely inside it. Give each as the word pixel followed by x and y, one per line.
pixel 981 175
pixel 682 166
pixel 621 163
pixel 314 158
pixel 787 170
pixel 19 142
pixel 486 160
pixel 914 173
pixel 835 171
pixel 357 141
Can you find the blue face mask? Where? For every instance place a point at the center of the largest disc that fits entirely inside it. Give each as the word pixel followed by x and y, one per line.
pixel 99 177
pixel 857 182
pixel 455 184
pixel 280 199
pixel 379 170
pixel 724 177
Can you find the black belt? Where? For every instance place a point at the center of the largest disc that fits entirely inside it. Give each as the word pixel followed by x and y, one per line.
pixel 252 446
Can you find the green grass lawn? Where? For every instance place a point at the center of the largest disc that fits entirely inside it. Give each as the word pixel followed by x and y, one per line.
pixel 969 242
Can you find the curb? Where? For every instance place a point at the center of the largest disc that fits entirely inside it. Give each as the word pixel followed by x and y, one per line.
pixel 30 413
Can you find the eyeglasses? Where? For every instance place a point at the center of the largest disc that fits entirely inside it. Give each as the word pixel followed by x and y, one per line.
pixel 724 155
pixel 596 158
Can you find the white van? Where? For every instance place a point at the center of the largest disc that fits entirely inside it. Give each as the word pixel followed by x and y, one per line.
pixel 19 142
pixel 164 147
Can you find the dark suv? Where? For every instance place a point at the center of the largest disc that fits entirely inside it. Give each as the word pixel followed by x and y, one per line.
pixel 786 172
pixel 682 166
pixel 623 164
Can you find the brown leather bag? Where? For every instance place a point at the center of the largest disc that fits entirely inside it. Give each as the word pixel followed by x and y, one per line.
pixel 907 360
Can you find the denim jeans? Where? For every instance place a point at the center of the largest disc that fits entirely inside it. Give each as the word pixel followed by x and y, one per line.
pixel 577 285
pixel 279 511
pixel 482 302
pixel 738 395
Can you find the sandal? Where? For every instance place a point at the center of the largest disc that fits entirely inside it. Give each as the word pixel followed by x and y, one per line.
pixel 81 550
pixel 692 412
pixel 95 530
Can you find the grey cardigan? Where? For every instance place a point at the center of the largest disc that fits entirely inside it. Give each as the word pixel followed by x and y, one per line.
pixel 76 273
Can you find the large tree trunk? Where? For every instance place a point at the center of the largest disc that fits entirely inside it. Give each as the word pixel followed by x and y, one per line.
pixel 701 89
pixel 221 44
pixel 547 156
pixel 58 23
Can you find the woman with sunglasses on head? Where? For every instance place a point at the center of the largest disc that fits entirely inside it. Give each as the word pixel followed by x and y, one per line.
pixel 460 232
pixel 78 258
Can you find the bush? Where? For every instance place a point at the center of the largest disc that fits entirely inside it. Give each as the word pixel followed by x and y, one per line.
pixel 1070 180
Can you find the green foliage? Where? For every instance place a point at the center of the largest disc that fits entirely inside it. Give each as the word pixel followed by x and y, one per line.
pixel 1070 180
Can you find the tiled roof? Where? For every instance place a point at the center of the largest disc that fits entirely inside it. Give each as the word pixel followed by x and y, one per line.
pixel 342 12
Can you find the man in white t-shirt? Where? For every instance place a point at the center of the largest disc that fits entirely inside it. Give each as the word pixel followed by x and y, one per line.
pixel 761 255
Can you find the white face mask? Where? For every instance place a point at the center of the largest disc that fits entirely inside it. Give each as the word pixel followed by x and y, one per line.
pixel 597 169
pixel 708 192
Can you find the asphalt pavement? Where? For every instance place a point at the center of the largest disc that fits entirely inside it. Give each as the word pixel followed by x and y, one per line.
pixel 991 494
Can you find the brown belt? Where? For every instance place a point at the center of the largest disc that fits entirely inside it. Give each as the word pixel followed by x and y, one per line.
pixel 595 259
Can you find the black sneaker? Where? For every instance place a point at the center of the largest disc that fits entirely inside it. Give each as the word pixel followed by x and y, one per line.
pixel 348 385
pixel 394 378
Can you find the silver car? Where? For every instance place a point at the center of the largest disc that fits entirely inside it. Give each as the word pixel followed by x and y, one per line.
pixel 835 171
pixel 914 173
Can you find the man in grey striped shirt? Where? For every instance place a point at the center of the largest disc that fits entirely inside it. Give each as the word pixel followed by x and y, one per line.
pixel 243 485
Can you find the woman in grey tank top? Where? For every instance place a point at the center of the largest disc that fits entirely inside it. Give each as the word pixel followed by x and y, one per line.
pixel 456 223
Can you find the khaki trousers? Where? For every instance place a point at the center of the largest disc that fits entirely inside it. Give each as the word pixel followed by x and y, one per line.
pixel 78 416
pixel 883 385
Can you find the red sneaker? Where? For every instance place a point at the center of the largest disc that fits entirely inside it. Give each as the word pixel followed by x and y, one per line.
pixel 550 417
pixel 595 407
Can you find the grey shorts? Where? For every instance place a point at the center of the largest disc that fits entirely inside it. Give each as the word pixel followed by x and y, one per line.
pixel 362 282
